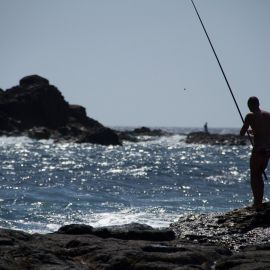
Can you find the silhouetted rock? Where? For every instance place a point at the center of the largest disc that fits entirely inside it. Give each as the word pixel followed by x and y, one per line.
pixel 216 139
pixel 132 231
pixel 76 247
pixel 33 80
pixel 39 133
pixel 238 239
pixel 99 135
pixel 136 134
pixel 38 109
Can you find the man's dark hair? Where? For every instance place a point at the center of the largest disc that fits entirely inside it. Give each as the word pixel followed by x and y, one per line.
pixel 253 102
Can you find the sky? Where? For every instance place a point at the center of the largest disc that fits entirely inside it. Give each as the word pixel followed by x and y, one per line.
pixel 128 61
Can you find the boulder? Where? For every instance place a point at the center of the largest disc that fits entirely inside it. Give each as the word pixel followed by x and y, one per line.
pixel 132 231
pixel 101 135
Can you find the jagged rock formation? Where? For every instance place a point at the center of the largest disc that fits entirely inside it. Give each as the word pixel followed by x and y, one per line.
pixel 37 109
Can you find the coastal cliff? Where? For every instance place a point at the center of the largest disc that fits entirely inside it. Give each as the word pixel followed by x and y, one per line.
pixel 235 240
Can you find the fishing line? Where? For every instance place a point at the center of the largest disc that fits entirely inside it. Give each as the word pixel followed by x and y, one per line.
pixel 223 73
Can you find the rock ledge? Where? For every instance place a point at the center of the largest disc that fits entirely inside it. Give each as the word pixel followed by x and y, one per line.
pixel 235 240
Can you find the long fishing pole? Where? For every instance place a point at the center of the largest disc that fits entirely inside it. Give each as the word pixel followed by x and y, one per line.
pixel 223 73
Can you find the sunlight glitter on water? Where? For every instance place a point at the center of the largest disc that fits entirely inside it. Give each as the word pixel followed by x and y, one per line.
pixel 44 185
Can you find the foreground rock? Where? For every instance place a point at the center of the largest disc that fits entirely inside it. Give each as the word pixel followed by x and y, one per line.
pixel 236 240
pixel 236 230
pixel 79 247
pixel 243 230
pixel 37 109
pixel 216 139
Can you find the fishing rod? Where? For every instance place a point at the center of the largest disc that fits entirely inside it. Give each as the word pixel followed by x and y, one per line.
pixel 223 73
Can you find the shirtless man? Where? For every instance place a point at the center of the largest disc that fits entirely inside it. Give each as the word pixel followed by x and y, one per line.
pixel 259 122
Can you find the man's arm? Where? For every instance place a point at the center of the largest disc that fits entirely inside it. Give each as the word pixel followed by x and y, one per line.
pixel 245 126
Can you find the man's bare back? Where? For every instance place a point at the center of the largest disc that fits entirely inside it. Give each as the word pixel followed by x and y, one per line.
pixel 259 122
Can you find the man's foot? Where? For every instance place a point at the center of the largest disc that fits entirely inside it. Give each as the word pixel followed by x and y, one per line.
pixel 258 207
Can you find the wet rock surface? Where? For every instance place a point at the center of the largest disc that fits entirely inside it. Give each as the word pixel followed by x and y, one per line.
pixel 37 109
pixel 235 240
pixel 216 139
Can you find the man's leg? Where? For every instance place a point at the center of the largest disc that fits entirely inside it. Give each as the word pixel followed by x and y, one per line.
pixel 257 164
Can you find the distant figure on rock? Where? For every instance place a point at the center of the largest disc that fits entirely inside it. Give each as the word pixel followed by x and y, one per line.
pixel 205 128
pixel 259 122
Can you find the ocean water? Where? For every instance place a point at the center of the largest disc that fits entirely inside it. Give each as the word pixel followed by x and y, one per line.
pixel 45 185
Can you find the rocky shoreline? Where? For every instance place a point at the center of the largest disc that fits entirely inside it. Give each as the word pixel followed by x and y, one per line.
pixel 235 240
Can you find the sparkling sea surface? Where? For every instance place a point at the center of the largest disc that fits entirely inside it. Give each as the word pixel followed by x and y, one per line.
pixel 45 185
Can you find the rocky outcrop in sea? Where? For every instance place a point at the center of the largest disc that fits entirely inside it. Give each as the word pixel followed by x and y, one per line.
pixel 37 109
pixel 216 139
pixel 230 241
pixel 141 134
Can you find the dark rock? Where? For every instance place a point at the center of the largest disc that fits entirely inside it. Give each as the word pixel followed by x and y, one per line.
pixel 6 241
pixel 39 133
pixel 127 136
pixel 36 106
pixel 32 81
pixel 132 231
pixel 246 219
pixel 148 132
pixel 236 229
pixel 216 139
pixel 245 261
pixel 39 110
pixel 87 251
pixel 8 123
pixel 243 230
pixel 77 111
pixel 79 246
pixel 137 134
pixel 142 130
pixel 101 135
pixel 76 229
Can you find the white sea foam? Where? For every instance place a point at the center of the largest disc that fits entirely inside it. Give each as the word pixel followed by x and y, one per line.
pixel 152 217
pixel 5 141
